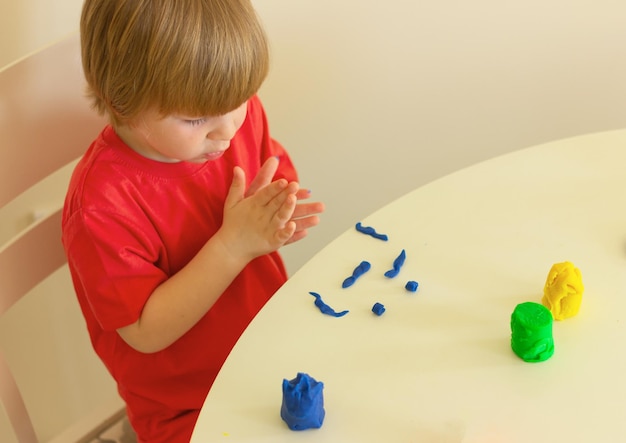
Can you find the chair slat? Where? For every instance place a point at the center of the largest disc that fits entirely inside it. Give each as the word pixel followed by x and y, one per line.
pixel 34 128
pixel 14 405
pixel 29 259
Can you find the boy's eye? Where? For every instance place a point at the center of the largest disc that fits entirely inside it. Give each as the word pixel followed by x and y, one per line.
pixel 196 122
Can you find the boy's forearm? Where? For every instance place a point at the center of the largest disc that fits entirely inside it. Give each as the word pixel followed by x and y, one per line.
pixel 181 301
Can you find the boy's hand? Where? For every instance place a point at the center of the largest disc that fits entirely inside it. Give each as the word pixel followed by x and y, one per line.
pixel 258 221
pixel 305 214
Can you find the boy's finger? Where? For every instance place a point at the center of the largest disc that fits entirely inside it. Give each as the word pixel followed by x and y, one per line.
pixel 303 194
pixel 284 211
pixel 304 209
pixel 276 192
pixel 237 187
pixel 283 235
pixel 264 176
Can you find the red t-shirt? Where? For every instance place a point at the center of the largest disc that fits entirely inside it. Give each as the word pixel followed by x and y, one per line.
pixel 129 223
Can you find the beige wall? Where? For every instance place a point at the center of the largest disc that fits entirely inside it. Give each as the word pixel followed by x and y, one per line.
pixel 28 25
pixel 375 98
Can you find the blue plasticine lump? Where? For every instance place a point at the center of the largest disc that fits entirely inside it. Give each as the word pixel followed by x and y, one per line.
pixel 324 308
pixel 303 403
pixel 378 309
pixel 363 267
pixel 411 286
pixel 371 232
pixel 397 264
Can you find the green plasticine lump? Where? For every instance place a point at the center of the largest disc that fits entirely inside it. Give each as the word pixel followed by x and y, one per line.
pixel 531 332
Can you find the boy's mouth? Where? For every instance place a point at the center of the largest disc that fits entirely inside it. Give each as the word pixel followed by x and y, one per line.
pixel 213 155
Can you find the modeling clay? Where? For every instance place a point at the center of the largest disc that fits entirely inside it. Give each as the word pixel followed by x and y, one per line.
pixel 303 403
pixel 531 332
pixel 378 309
pixel 397 264
pixel 324 308
pixel 371 231
pixel 358 271
pixel 411 286
pixel 563 291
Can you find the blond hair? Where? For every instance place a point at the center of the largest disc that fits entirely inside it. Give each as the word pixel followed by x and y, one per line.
pixel 190 57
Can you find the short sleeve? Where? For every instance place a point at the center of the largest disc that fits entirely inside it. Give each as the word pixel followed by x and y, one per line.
pixel 116 264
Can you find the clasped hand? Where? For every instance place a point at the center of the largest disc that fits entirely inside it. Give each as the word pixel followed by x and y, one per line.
pixel 268 214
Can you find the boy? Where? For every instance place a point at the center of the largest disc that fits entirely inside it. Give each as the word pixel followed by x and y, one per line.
pixel 174 215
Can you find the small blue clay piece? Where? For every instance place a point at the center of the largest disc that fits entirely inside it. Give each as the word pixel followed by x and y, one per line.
pixel 358 271
pixel 371 231
pixel 303 403
pixel 411 286
pixel 378 309
pixel 324 308
pixel 397 264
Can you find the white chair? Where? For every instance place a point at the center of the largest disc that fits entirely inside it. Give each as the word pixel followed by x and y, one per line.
pixel 53 388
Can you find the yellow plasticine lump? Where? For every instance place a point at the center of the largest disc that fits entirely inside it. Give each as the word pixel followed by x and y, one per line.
pixel 563 291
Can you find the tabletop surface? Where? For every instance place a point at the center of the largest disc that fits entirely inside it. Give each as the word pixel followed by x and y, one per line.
pixel 437 366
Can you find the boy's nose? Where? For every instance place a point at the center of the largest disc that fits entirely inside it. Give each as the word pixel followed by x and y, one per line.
pixel 225 130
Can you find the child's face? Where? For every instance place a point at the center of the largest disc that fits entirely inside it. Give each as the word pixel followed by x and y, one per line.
pixel 177 138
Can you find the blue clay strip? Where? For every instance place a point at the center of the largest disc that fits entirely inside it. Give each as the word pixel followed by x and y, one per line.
pixel 397 264
pixel 371 231
pixel 363 267
pixel 324 308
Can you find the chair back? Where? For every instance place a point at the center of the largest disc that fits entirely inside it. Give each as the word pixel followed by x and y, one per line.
pixel 52 385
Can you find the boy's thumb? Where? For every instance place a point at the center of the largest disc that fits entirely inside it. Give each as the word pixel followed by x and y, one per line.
pixel 237 187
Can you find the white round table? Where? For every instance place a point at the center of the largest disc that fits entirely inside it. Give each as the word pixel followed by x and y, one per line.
pixel 437 366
